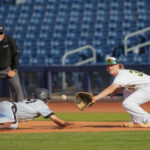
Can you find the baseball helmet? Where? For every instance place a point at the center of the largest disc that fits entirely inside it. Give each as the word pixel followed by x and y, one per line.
pixel 42 94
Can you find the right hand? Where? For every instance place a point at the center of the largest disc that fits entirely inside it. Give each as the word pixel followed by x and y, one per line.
pixel 11 73
pixel 67 124
pixel 72 125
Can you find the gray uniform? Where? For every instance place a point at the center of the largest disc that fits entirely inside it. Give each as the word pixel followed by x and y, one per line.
pixel 26 110
pixel 14 83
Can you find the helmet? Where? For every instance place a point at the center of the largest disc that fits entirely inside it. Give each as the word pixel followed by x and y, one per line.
pixel 111 61
pixel 42 94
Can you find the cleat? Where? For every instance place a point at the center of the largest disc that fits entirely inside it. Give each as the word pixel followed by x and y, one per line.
pixel 136 125
pixel 128 125
pixel 145 125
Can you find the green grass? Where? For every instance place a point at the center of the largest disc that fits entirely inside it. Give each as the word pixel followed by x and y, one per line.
pixel 95 116
pixel 92 116
pixel 133 140
pixel 77 141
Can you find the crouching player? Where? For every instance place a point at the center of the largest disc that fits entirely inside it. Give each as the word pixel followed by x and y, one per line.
pixel 12 113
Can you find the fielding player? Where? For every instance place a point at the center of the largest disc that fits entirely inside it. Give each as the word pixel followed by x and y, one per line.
pixel 12 113
pixel 136 90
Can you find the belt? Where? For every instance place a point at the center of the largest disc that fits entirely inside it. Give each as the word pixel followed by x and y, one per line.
pixel 3 68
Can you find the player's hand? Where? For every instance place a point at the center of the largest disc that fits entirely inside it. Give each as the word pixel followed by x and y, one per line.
pixel 73 125
pixel 67 124
pixel 11 73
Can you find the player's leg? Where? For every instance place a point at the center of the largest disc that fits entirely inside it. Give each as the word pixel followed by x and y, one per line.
pixel 7 115
pixel 127 93
pixel 16 88
pixel 132 105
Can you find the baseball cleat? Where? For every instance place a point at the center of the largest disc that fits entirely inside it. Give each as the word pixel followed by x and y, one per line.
pixel 128 125
pixel 136 125
pixel 145 125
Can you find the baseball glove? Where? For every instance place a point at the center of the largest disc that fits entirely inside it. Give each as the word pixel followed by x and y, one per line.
pixel 83 100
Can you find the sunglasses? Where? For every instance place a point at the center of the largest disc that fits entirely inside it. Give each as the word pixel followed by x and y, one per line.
pixel 111 62
pixel 1 33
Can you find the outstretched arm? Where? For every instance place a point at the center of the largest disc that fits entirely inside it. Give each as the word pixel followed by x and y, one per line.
pixel 59 121
pixel 106 92
pixel 118 90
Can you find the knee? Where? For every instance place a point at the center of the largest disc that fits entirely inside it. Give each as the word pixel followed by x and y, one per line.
pixel 126 104
pixel 17 87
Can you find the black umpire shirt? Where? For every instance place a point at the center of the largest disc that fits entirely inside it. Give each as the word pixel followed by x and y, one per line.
pixel 9 53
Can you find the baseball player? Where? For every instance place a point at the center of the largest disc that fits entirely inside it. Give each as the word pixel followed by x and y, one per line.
pixel 136 88
pixel 12 113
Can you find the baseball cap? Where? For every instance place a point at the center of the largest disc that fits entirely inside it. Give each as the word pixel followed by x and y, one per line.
pixel 111 61
pixel 1 28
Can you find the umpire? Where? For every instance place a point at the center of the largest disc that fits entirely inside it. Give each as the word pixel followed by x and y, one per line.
pixel 9 59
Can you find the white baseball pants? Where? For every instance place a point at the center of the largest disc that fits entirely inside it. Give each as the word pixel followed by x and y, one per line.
pixel 132 104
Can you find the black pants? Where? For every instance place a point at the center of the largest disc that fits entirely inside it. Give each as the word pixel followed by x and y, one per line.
pixel 14 82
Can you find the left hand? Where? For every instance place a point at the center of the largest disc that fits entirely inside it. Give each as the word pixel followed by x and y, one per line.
pixel 84 100
pixel 11 73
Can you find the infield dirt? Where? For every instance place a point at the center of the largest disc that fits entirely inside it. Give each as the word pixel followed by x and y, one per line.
pixel 47 126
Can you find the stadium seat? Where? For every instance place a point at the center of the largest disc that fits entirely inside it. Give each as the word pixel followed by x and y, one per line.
pixel 24 61
pixel 51 25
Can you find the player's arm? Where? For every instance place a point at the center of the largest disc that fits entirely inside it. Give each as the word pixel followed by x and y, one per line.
pixel 118 90
pixel 59 121
pixel 55 119
pixel 15 57
pixel 106 92
pixel 15 53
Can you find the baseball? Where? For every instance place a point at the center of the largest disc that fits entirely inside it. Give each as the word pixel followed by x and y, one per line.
pixel 64 97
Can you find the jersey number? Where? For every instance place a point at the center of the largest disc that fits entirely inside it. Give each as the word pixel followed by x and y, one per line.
pixel 136 72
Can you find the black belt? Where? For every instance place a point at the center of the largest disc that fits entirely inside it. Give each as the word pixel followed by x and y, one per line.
pixel 3 68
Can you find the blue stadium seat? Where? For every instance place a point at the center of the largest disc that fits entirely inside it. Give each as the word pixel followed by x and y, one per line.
pixel 72 59
pixel 51 25
pixel 129 59
pixel 55 59
pixel 41 60
pixel 24 60
pixel 33 61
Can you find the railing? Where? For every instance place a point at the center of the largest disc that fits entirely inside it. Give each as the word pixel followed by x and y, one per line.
pixel 134 48
pixel 91 59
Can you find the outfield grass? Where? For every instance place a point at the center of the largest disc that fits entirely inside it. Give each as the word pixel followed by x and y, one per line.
pixel 125 140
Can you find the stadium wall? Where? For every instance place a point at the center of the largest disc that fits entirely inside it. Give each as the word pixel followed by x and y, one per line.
pixel 92 78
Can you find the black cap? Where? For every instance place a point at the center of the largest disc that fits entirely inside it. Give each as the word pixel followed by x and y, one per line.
pixel 1 28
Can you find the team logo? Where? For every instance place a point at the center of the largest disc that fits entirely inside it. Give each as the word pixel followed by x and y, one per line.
pixel 5 46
